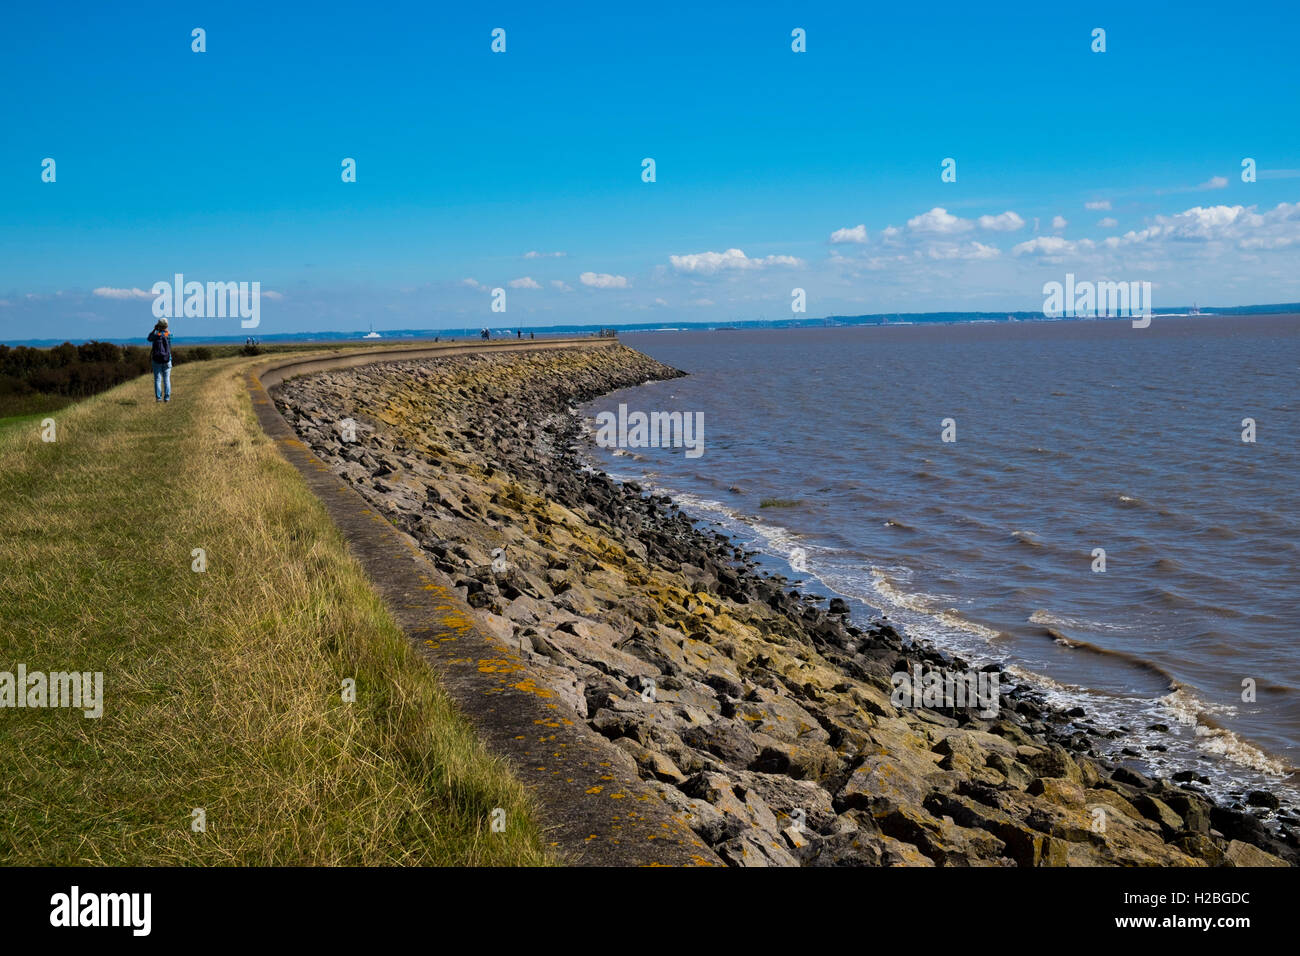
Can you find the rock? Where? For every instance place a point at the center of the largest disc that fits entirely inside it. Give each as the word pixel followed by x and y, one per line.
pixel 1195 812
pixel 854 848
pixel 1201 847
pixel 1016 774
pixel 897 853
pixel 755 849
pixel 1262 798
pixel 650 763
pixel 880 780
pixel 1132 778
pixel 796 837
pixel 1058 790
pixel 727 740
pixel 784 796
pixel 1243 854
pixel 1054 761
pixel 1028 847
pixel 781 718
pixel 943 841
pixel 715 789
pixel 1160 813
pixel 811 760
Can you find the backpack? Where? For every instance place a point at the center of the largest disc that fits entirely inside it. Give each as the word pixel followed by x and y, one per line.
pixel 162 348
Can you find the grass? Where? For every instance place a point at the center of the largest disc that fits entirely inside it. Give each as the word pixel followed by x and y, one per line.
pixel 222 689
pixel 14 423
pixel 29 406
pixel 780 502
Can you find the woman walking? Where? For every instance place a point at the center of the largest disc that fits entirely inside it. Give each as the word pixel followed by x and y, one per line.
pixel 160 340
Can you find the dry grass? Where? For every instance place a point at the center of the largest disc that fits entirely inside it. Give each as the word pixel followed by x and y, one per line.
pixel 222 689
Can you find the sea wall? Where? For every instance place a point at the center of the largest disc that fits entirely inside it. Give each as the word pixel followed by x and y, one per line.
pixel 763 721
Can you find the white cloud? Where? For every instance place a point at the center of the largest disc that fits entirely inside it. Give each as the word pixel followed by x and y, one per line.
pixel 660 302
pixel 1006 222
pixel 1059 223
pixel 562 286
pixel 524 282
pixel 1098 205
pixel 939 222
pixel 1214 182
pixel 472 283
pixel 969 250
pixel 1269 242
pixel 708 263
pixel 273 295
pixel 1279 228
pixel 856 234
pixel 107 292
pixel 1051 247
pixel 1108 223
pixel 603 280
pixel 534 254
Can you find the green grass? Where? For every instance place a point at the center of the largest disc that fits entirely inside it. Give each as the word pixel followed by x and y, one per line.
pixel 14 423
pixel 30 406
pixel 221 688
pixel 780 502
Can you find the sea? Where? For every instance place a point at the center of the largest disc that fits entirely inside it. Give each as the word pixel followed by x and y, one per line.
pixel 1109 512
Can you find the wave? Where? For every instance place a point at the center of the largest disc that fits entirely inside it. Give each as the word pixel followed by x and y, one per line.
pixel 1170 599
pixel 929 605
pixel 1212 737
pixel 1053 620
pixel 1133 660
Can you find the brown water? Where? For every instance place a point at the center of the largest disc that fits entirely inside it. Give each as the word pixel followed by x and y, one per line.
pixel 1070 436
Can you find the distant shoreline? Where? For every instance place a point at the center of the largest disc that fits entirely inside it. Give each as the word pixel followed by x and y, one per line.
pixel 871 320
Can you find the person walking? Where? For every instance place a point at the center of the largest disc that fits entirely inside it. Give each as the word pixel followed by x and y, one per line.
pixel 160 354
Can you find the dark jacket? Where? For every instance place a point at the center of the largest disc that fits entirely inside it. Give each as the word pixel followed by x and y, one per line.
pixel 161 352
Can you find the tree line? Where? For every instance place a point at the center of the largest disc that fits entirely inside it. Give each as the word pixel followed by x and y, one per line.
pixel 77 371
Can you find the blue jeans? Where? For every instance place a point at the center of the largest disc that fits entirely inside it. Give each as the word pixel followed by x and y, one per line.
pixel 162 379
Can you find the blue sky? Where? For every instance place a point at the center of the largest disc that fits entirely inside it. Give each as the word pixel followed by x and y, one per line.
pixel 225 165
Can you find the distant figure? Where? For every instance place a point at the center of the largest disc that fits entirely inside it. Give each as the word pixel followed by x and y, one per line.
pixel 519 333
pixel 531 336
pixel 160 354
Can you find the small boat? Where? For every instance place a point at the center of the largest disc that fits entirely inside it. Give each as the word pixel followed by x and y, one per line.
pixel 372 334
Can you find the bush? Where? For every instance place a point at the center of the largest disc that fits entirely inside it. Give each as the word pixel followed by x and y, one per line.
pixel 69 370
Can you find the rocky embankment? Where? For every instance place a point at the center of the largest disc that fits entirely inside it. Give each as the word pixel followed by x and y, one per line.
pixel 761 718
